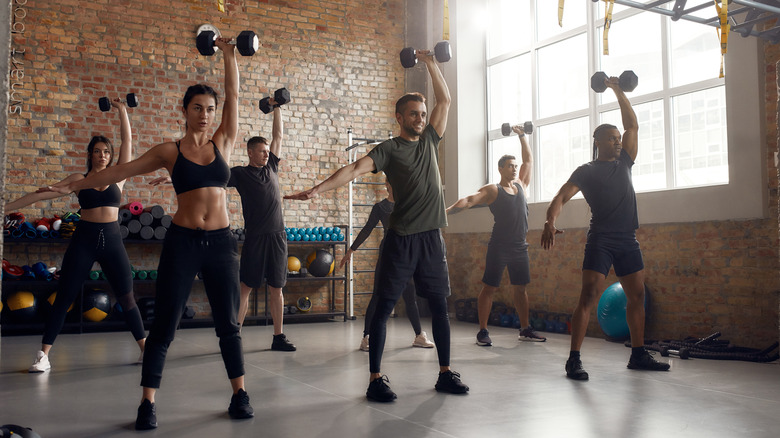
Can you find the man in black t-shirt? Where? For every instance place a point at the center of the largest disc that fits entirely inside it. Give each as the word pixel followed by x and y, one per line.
pixel 264 253
pixel 606 184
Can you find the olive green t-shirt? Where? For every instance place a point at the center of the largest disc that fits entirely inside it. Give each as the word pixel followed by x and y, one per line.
pixel 412 169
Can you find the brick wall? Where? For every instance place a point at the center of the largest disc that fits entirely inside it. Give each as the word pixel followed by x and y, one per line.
pixel 337 58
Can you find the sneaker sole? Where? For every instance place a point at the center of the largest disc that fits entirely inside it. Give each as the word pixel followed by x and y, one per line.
pixel 522 338
pixel 240 416
pixel 422 346
pixel 36 371
pixel 484 344
pixel 381 400
pixel 576 377
pixel 447 391
pixel 631 367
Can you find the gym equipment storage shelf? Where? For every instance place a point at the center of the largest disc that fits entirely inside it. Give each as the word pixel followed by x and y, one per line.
pixel 263 317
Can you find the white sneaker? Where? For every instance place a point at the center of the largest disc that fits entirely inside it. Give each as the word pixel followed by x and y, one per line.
pixel 140 360
pixel 41 363
pixel 422 341
pixel 364 343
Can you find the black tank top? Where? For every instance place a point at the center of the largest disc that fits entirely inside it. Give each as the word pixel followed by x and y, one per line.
pixel 187 175
pixel 510 213
pixel 91 198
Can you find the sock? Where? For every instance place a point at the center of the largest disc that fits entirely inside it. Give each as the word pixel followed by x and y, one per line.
pixel 636 351
pixel 574 354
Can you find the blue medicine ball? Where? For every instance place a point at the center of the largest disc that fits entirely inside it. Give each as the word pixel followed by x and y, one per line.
pixel 611 312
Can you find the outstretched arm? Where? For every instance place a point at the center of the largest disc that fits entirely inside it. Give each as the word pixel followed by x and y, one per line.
pixel 225 136
pixel 373 219
pixel 630 141
pixel 278 131
pixel 441 110
pixel 149 162
pixel 34 197
pixel 338 179
pixel 556 205
pixel 485 195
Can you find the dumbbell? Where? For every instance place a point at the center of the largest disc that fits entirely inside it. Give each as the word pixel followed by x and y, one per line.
pixel 247 43
pixel 281 96
pixel 628 81
pixel 506 128
pixel 131 100
pixel 683 352
pixel 442 51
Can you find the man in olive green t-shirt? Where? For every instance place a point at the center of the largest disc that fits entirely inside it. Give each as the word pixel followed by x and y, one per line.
pixel 414 246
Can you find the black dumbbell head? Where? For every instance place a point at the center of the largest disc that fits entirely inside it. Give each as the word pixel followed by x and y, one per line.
pixel 104 104
pixel 597 82
pixel 265 105
pixel 408 57
pixel 132 100
pixel 628 80
pixel 247 43
pixel 281 96
pixel 528 127
pixel 205 43
pixel 506 129
pixel 443 51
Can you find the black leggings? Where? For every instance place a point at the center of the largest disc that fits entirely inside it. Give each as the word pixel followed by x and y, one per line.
pixel 440 322
pixel 94 242
pixel 185 253
pixel 412 311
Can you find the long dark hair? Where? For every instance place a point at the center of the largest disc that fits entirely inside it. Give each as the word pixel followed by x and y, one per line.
pixel 91 149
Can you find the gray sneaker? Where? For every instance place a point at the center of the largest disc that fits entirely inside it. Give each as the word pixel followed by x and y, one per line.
pixel 483 338
pixel 529 334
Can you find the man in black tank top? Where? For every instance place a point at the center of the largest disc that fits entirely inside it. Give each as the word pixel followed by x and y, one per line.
pixel 508 247
pixel 264 253
pixel 606 185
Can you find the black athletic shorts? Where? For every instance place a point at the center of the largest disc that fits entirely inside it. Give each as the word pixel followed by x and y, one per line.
pixel 422 256
pixel 603 250
pixel 515 258
pixel 264 256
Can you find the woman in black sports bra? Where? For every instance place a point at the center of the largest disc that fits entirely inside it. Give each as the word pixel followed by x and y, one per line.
pixel 199 239
pixel 96 239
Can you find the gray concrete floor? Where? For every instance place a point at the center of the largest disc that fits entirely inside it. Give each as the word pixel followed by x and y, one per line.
pixel 518 389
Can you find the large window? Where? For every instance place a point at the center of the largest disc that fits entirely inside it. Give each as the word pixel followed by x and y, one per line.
pixel 539 71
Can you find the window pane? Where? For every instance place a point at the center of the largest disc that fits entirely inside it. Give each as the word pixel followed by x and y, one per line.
pixel 510 92
pixel 649 171
pixel 574 15
pixel 634 44
pixel 695 52
pixel 508 146
pixel 563 77
pixel 564 146
pixel 701 148
pixel 509 24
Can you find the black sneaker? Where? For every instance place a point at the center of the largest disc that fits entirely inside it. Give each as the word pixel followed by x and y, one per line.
pixel 483 338
pixel 449 381
pixel 147 416
pixel 379 390
pixel 240 407
pixel 281 343
pixel 574 370
pixel 646 361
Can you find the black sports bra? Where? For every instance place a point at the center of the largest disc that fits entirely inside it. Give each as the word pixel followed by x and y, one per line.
pixel 187 175
pixel 91 198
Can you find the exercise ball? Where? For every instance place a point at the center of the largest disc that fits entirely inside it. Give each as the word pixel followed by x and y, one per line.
pixel 96 305
pixel 611 313
pixel 293 264
pixel 320 263
pixel 21 306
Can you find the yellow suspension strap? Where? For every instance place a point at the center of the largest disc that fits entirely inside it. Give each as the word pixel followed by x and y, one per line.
pixel 723 34
pixel 221 5
pixel 607 22
pixel 560 13
pixel 446 31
